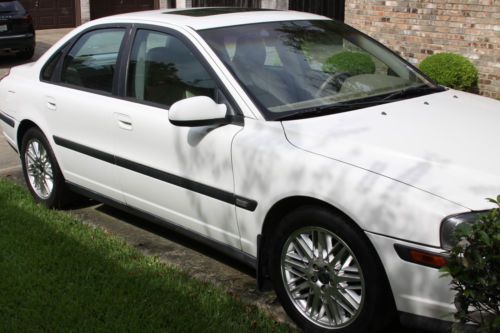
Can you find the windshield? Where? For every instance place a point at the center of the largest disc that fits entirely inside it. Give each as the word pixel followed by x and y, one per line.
pixel 294 66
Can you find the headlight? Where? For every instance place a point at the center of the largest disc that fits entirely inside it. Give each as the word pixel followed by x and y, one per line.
pixel 450 224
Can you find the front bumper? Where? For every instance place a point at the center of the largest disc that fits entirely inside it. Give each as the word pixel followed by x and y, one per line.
pixel 17 42
pixel 419 291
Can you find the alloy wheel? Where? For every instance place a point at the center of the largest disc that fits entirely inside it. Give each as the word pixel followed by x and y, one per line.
pixel 322 277
pixel 39 169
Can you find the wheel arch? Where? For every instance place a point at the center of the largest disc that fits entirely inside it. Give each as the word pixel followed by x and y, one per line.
pixel 286 205
pixel 273 218
pixel 23 127
pixel 59 195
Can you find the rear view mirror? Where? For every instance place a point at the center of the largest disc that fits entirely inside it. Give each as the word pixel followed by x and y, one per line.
pixel 197 111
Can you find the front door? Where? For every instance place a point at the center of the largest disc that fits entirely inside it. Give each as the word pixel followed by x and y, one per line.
pixel 180 174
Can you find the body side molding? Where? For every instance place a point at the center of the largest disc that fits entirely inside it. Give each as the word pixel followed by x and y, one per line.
pixel 228 197
pixel 9 121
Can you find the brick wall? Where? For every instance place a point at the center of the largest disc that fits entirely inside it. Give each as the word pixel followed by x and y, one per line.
pixel 163 4
pixel 418 28
pixel 85 10
pixel 275 4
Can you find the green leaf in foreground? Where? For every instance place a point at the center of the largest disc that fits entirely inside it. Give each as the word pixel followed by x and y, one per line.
pixel 474 265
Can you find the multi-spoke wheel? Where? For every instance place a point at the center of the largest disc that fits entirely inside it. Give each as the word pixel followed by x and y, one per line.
pixel 327 275
pixel 41 171
pixel 322 277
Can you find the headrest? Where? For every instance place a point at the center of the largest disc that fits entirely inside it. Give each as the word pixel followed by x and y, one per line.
pixel 157 54
pixel 250 50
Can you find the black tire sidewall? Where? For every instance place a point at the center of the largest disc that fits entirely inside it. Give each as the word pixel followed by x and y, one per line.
pixel 27 54
pixel 55 198
pixel 378 305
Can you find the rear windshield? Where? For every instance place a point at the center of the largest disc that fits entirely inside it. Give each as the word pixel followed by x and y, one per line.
pixel 10 6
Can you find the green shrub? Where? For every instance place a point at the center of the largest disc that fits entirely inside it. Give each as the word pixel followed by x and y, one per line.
pixel 451 70
pixel 354 63
pixel 474 265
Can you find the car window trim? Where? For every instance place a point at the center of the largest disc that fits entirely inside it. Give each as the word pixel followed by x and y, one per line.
pixel 121 72
pixel 124 67
pixel 56 76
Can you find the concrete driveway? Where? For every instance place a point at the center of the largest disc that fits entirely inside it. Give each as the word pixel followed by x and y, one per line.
pixel 44 40
pixel 198 260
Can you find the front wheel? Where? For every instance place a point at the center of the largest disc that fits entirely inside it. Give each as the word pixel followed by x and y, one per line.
pixel 41 171
pixel 326 275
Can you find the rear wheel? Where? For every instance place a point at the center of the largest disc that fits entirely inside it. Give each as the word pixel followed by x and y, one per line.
pixel 326 276
pixel 41 171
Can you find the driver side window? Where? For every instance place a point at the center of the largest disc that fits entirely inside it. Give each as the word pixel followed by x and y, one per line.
pixel 162 70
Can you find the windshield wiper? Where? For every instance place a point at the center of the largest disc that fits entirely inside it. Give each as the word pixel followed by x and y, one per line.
pixel 353 105
pixel 330 109
pixel 413 91
pixel 304 113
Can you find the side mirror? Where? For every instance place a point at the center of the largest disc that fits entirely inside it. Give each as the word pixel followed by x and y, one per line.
pixel 197 111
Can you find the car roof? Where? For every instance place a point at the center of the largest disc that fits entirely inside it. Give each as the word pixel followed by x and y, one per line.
pixel 213 17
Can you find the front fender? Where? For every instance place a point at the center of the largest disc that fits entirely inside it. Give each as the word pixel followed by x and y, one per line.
pixel 267 168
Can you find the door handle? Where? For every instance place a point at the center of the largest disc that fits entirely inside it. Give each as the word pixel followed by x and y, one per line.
pixel 51 103
pixel 124 121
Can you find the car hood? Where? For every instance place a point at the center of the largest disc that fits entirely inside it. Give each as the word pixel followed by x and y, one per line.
pixel 445 143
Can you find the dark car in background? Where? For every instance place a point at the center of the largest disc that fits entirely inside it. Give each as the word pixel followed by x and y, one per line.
pixel 17 35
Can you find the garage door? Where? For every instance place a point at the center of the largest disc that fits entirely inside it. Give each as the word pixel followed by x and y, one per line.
pixel 101 8
pixel 51 14
pixel 226 3
pixel 331 8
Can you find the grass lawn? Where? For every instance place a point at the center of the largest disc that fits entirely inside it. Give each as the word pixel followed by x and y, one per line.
pixel 57 274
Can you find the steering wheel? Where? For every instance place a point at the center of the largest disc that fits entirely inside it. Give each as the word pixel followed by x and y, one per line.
pixel 336 79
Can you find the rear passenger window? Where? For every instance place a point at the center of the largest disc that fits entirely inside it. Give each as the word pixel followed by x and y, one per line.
pixel 91 62
pixel 163 70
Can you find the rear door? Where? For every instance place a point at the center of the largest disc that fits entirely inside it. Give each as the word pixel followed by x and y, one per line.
pixel 81 108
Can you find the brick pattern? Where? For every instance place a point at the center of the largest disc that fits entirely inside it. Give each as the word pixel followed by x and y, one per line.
pixel 275 4
pixel 418 28
pixel 85 10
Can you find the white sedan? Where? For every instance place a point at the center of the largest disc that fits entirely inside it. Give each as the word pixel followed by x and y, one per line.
pixel 287 140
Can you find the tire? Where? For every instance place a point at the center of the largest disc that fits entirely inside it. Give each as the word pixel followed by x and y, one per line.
pixel 344 290
pixel 26 54
pixel 41 171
